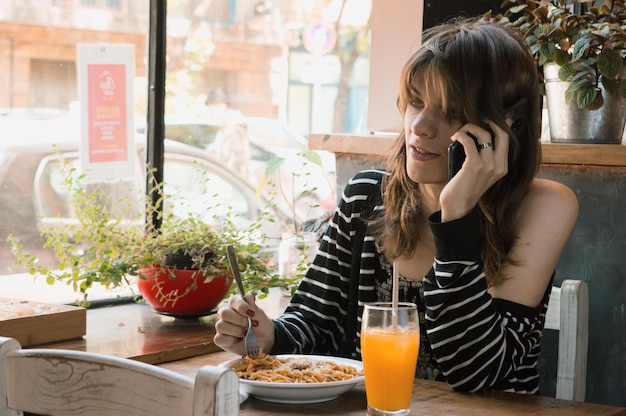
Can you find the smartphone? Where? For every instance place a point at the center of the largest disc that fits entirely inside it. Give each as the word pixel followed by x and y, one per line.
pixel 519 125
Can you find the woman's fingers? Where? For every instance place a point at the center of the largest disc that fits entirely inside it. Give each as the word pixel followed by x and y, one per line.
pixel 229 336
pixel 232 324
pixel 490 153
pixel 500 150
pixel 485 163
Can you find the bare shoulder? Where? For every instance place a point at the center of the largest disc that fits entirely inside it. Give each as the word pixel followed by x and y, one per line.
pixel 550 200
pixel 553 194
pixel 544 222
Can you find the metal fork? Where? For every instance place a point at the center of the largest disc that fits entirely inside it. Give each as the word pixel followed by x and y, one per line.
pixel 250 341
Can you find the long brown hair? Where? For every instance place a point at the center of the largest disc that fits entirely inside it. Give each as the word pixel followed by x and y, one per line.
pixel 476 70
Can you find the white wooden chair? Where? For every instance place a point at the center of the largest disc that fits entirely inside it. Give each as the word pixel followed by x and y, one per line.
pixel 568 313
pixel 62 382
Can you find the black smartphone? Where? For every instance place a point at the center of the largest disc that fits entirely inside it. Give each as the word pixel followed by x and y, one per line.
pixel 519 125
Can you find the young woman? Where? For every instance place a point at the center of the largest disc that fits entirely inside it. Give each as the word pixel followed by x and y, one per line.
pixel 476 253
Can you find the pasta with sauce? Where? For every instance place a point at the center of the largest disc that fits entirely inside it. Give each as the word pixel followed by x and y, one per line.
pixel 292 370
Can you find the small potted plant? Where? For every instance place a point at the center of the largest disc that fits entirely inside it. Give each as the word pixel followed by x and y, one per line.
pixel 117 249
pixel 581 49
pixel 184 270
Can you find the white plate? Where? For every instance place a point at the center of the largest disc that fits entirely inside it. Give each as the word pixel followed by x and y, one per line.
pixel 300 392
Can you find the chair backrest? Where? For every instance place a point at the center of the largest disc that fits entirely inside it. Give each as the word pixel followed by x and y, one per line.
pixel 61 382
pixel 568 313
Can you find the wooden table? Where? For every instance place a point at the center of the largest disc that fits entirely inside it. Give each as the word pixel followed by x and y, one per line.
pixel 429 398
pixel 133 330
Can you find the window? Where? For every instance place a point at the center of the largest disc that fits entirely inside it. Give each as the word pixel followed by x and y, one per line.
pixel 247 49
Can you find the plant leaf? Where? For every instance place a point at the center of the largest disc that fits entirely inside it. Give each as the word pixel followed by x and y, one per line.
pixel 548 50
pixel 569 93
pixel 610 85
pixel 581 46
pixel 541 14
pixel 312 156
pixel 566 72
pixel 260 186
pixel 610 63
pixel 273 165
pixel 588 98
pixel 597 103
pixel 534 47
pixel 517 9
pixel 576 87
pixel 561 57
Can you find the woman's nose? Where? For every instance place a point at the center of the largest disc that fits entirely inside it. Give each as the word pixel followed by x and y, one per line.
pixel 425 122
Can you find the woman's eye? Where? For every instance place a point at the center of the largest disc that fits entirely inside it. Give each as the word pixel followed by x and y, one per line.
pixel 416 104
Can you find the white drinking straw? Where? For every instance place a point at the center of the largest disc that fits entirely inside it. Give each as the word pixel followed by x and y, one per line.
pixel 394 295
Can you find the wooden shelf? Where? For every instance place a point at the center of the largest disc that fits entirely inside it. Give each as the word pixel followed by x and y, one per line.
pixel 584 154
pixel 373 144
pixel 553 153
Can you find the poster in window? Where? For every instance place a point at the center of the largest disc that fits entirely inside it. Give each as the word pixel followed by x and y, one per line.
pixel 105 85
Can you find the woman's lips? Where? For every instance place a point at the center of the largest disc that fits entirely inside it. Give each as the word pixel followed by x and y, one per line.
pixel 420 154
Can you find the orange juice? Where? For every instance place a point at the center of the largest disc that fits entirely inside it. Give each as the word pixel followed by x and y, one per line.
pixel 389 360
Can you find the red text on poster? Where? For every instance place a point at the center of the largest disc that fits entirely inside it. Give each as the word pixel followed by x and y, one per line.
pixel 107 112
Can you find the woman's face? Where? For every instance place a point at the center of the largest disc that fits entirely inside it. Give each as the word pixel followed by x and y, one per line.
pixel 428 133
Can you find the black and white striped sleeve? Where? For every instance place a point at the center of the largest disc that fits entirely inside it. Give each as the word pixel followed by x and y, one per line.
pixel 315 320
pixel 479 342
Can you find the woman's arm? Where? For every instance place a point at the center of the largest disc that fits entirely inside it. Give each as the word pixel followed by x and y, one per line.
pixel 481 337
pixel 315 320
pixel 544 222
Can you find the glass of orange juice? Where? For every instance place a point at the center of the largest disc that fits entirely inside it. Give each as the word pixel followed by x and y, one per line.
pixel 389 346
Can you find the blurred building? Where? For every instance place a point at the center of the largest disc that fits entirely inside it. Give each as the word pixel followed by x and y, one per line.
pixel 244 46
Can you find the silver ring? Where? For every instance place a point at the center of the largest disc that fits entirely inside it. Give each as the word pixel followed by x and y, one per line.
pixel 485 145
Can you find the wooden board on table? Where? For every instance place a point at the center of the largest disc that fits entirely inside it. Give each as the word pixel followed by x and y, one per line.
pixel 33 323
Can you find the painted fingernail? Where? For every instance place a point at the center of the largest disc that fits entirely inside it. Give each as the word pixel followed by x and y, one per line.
pixel 250 313
pixel 255 323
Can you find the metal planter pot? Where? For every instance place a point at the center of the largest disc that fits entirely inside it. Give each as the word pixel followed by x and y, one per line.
pixel 569 124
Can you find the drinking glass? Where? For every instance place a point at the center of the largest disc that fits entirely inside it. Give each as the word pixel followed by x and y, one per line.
pixel 389 347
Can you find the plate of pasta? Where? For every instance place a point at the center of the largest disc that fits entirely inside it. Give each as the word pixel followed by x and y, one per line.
pixel 296 379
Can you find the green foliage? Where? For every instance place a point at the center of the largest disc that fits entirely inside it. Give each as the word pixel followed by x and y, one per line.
pixel 272 169
pixel 299 225
pixel 108 246
pixel 590 47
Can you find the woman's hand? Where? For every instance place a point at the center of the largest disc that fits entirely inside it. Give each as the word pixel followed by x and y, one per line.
pixel 481 169
pixel 232 325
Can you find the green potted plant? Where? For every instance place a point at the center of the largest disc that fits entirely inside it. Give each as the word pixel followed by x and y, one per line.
pixel 581 49
pixel 114 248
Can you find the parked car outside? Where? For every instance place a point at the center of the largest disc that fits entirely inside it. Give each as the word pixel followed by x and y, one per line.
pixel 300 186
pixel 283 140
pixel 277 137
pixel 32 197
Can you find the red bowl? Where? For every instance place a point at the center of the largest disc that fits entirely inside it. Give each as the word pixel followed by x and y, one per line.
pixel 173 292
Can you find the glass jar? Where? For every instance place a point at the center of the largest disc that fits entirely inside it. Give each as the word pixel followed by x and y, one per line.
pixel 295 255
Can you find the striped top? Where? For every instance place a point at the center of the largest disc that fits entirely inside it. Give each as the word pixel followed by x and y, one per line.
pixel 478 342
